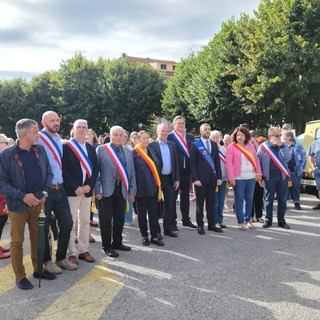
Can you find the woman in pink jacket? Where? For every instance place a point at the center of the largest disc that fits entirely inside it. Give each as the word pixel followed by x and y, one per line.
pixel 243 168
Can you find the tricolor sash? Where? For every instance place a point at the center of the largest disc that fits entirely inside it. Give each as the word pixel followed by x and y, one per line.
pixel 152 167
pixel 222 157
pixel 181 143
pixel 276 159
pixel 81 155
pixel 249 156
pixel 52 146
pixel 117 161
pixel 206 156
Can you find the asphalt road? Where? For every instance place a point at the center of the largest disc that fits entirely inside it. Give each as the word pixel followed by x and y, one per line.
pixel 256 274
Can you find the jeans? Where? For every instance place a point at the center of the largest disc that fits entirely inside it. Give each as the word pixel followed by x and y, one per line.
pixel 219 202
pixel 276 185
pixel 243 191
pixel 57 202
pixel 294 191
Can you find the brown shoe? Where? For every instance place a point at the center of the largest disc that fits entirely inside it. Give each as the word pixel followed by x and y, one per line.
pixel 86 257
pixel 73 259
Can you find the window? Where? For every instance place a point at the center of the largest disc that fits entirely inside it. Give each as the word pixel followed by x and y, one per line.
pixel 163 67
pixel 173 68
pixel 317 134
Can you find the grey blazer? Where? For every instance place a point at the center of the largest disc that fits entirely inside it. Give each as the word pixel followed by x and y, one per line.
pixel 107 173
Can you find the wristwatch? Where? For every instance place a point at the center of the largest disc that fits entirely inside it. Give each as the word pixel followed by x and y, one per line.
pixel 45 193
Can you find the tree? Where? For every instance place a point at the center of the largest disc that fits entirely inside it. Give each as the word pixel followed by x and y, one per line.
pixel 131 94
pixel 12 104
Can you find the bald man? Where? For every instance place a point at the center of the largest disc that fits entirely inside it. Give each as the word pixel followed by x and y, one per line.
pixel 57 201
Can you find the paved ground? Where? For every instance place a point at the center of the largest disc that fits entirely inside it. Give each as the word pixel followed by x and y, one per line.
pixel 256 274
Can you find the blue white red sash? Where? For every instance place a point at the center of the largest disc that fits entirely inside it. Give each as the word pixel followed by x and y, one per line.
pixel 206 156
pixel 117 161
pixel 222 157
pixel 81 155
pixel 52 146
pixel 276 159
pixel 181 143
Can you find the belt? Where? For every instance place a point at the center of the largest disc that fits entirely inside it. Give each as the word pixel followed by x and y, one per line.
pixel 118 182
pixel 57 186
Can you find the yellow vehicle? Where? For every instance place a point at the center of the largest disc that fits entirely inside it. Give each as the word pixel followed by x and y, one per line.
pixel 312 132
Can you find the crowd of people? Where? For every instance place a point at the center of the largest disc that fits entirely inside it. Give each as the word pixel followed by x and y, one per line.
pixel 128 175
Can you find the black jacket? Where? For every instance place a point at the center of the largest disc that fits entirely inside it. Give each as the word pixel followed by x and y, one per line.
pixel 181 155
pixel 72 172
pixel 154 145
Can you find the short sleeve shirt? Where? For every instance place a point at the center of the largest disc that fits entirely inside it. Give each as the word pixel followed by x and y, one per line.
pixel 314 151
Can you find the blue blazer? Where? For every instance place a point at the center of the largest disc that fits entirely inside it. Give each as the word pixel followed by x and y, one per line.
pixel 146 185
pixel 200 170
pixel 107 176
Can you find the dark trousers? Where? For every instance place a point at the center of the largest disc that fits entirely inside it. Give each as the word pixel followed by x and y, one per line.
pixel 148 205
pixel 257 201
pixel 3 220
pixel 184 189
pixel 57 202
pixel 169 200
pixel 112 207
pixel 205 193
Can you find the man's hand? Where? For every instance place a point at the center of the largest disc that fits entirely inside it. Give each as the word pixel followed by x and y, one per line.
pixel 197 183
pixel 232 182
pixel 262 183
pixel 31 200
pixel 219 182
pixel 98 196
pixel 131 198
pixel 79 191
pixel 86 188
pixel 176 185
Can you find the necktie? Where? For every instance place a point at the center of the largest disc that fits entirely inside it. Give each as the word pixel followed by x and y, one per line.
pixel 208 147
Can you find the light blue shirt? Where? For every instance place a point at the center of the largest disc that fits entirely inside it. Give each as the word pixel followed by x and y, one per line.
pixel 57 173
pixel 207 145
pixel 166 158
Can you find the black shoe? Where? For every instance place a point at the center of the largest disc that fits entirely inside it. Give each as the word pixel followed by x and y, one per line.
pixel 111 253
pixel 159 236
pixel 157 242
pixel 122 247
pixel 214 228
pixel 189 225
pixel 297 206
pixel 267 224
pixel 174 227
pixel 145 241
pixel 45 275
pixel 222 225
pixel 170 234
pixel 283 225
pixel 24 284
pixel 201 230
pixel 317 207
pixel 94 224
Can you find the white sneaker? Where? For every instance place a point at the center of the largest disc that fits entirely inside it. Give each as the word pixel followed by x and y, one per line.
pixel 67 265
pixel 51 267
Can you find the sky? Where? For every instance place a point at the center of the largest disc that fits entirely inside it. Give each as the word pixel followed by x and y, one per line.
pixel 37 35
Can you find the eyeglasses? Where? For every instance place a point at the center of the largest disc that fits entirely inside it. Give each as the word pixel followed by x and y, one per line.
pixel 5 142
pixel 81 128
pixel 277 135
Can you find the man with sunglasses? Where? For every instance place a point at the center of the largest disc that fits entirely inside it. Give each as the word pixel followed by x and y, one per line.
pixel 274 156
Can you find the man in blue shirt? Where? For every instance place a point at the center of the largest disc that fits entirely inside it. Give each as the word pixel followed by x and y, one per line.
pixel 169 174
pixel 24 172
pixel 57 201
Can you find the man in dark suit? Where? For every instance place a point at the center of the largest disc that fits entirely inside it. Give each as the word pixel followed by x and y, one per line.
pixel 169 174
pixel 80 171
pixel 183 141
pixel 206 176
